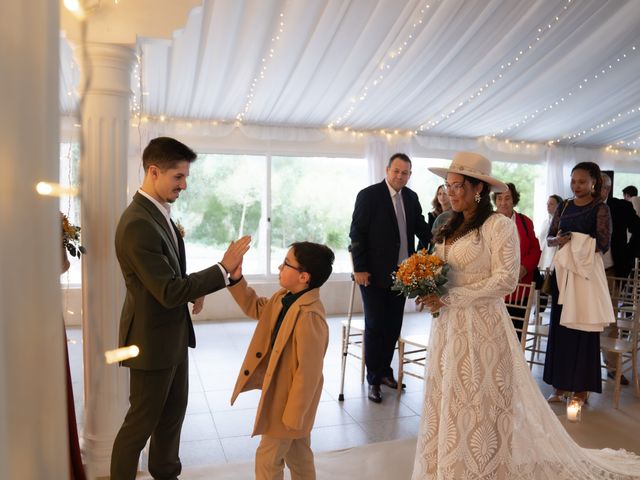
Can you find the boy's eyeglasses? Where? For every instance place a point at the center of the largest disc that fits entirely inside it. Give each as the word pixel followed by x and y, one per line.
pixel 285 264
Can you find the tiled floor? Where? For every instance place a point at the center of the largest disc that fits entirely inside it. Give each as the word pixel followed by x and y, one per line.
pixel 216 432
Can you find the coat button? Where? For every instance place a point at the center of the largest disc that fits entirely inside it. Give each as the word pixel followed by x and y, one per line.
pixel 258 355
pixel 246 372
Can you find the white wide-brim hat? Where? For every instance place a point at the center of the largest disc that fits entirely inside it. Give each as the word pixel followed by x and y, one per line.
pixel 471 164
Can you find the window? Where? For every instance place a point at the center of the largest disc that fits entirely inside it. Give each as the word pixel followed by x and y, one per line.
pixel 276 200
pixel 224 200
pixel 528 179
pixel 312 198
pixel 622 180
pixel 424 182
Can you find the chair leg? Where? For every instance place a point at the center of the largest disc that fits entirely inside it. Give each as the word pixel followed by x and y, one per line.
pixel 616 390
pixel 400 366
pixel 634 360
pixel 362 360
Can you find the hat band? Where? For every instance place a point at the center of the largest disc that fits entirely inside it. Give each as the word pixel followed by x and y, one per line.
pixel 462 168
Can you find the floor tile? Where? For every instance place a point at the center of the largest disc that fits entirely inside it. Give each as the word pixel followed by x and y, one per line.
pixel 235 423
pixel 239 449
pixel 364 410
pixel 332 413
pixel 198 426
pixel 197 403
pixel 220 400
pixel 201 452
pixel 337 437
pixel 392 429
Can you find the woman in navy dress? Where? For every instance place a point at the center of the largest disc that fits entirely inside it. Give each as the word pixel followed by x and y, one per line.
pixel 572 362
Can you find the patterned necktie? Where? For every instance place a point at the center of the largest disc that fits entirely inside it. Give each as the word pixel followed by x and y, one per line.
pixel 402 227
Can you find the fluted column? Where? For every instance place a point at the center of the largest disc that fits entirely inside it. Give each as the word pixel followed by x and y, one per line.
pixel 106 71
pixel 33 421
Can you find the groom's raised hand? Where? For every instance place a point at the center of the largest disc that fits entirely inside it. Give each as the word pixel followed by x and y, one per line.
pixel 232 258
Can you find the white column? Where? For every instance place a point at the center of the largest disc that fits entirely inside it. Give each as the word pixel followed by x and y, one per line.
pixel 33 424
pixel 106 69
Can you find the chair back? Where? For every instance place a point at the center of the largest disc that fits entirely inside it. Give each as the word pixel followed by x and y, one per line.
pixel 522 300
pixel 622 346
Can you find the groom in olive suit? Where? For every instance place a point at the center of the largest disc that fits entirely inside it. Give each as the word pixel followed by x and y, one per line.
pixel 155 315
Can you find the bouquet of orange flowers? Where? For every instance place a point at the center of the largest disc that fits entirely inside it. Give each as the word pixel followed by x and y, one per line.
pixel 71 237
pixel 421 274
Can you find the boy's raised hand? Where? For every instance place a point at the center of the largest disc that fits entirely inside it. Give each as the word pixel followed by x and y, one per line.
pixel 232 258
pixel 237 273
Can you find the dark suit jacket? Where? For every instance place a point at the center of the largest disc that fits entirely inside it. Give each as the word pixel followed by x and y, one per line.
pixel 375 239
pixel 623 220
pixel 155 315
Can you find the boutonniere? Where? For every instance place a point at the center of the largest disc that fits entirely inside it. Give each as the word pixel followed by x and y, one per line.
pixel 180 228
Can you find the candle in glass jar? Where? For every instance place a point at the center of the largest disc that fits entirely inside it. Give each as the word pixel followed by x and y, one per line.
pixel 574 408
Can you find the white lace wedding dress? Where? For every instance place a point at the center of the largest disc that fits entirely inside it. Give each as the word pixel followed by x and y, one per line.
pixel 484 416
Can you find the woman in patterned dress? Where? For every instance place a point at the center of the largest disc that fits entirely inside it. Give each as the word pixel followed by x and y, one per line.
pixel 484 416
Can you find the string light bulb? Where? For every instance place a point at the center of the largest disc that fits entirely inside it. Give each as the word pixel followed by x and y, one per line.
pixel 52 189
pixel 121 354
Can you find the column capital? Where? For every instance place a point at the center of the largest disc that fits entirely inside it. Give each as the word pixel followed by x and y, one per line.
pixel 106 68
pixel 124 22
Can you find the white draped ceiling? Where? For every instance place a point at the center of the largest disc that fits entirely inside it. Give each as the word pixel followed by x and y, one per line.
pixel 524 70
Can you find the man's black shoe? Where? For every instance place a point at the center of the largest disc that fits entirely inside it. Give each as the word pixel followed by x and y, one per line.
pixel 623 379
pixel 391 382
pixel 374 393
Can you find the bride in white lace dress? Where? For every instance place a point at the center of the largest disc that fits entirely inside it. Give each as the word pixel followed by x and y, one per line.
pixel 484 416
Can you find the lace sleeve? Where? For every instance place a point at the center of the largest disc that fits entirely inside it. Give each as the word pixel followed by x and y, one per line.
pixel 603 228
pixel 504 246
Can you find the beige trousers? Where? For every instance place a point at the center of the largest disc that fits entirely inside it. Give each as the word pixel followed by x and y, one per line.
pixel 272 453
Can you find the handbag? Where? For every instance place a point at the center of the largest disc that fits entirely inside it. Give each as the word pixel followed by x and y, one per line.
pixel 538 278
pixel 545 288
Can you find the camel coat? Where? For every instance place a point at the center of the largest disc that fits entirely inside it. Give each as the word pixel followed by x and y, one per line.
pixel 290 375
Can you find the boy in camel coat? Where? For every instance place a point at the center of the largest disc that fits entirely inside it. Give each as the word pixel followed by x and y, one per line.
pixel 285 359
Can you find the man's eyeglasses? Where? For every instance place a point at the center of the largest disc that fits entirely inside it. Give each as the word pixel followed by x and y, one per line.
pixel 454 187
pixel 285 264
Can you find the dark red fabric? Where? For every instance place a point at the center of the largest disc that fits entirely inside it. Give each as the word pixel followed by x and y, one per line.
pixel 76 469
pixel 529 247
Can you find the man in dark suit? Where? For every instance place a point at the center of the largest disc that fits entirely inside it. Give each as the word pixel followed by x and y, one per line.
pixel 155 315
pixel 618 261
pixel 378 245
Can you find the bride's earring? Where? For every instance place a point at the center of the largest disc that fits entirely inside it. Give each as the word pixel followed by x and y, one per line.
pixel 477 197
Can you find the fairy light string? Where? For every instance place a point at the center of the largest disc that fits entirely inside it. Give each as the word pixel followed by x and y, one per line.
pixel 542 31
pixel 385 65
pixel 584 84
pixel 275 39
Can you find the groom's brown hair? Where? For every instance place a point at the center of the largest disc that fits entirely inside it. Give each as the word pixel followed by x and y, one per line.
pixel 165 153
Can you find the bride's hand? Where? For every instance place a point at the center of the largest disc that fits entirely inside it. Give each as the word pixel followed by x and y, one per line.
pixel 432 302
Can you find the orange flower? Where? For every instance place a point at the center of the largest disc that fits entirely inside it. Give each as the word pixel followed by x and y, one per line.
pixel 420 274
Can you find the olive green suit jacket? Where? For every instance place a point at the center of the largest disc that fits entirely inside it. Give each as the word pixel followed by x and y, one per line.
pixel 155 315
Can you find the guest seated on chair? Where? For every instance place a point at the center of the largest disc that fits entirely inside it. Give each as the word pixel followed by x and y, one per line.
pixel 529 245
